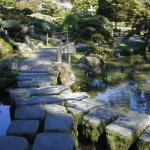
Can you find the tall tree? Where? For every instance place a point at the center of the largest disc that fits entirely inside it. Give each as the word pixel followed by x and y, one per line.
pixel 120 10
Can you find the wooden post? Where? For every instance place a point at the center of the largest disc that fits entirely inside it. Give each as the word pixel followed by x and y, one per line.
pixel 59 55
pixel 69 59
pixel 47 39
pixel 67 37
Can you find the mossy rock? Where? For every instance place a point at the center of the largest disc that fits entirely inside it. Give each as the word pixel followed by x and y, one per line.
pixel 95 122
pixel 123 132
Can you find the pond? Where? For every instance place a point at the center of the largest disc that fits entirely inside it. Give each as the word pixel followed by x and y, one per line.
pixel 128 95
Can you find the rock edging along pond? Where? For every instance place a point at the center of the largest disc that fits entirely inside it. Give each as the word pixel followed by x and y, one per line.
pixel 46 114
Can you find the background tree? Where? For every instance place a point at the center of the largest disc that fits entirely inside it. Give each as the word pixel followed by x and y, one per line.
pixel 120 10
pixel 82 6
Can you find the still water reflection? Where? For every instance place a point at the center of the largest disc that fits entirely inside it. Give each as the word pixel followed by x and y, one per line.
pixel 4 119
pixel 127 95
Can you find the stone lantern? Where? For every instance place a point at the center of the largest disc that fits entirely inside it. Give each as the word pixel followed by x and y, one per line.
pixel 91 11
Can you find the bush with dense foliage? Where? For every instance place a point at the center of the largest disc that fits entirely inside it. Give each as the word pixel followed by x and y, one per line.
pixel 87 26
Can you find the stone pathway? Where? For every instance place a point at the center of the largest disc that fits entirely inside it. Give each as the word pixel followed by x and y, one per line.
pixel 46 116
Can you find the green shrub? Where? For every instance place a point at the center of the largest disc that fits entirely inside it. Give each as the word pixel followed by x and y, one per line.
pixel 27 11
pixel 88 32
pixel 10 23
pixel 98 38
pixel 99 49
pixel 82 81
pixel 90 47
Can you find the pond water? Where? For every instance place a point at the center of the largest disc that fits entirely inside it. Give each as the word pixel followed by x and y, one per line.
pixel 128 95
pixel 4 119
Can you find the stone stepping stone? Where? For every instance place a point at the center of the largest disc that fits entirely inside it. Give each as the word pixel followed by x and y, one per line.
pixel 13 143
pixel 94 123
pixel 31 77
pixel 27 92
pixel 33 83
pixel 58 122
pixel 33 112
pixel 53 141
pixel 35 68
pixel 75 96
pixel 33 73
pixel 123 132
pixel 54 108
pixel 24 128
pixel 144 140
pixel 84 105
pixel 37 100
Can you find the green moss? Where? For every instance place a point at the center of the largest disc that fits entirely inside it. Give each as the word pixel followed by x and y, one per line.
pixel 143 145
pixel 6 49
pixel 118 142
pixel 92 131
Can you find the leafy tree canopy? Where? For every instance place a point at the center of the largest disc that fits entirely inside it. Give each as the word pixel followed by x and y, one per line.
pixel 82 6
pixel 121 10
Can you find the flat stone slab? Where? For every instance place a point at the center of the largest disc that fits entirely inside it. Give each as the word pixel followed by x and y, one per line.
pixel 34 83
pixel 84 105
pixel 33 73
pixel 25 128
pixel 58 122
pixel 123 132
pixel 144 140
pixel 54 108
pixel 31 77
pixel 95 122
pixel 36 100
pixel 53 141
pixel 33 112
pixel 26 92
pixel 75 96
pixel 13 143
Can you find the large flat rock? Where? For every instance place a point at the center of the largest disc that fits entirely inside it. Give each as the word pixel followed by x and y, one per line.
pixel 95 122
pixel 144 140
pixel 54 108
pixel 33 112
pixel 84 105
pixel 75 96
pixel 31 77
pixel 53 141
pixel 123 132
pixel 34 83
pixel 13 143
pixel 45 73
pixel 36 100
pixel 58 122
pixel 25 128
pixel 26 92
